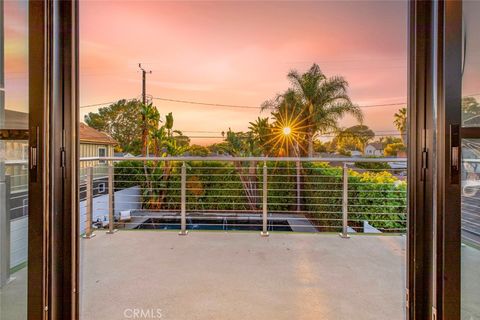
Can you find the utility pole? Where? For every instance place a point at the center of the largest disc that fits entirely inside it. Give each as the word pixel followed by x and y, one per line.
pixel 144 119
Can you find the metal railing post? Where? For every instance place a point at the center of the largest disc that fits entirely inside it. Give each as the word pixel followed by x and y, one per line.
pixel 111 199
pixel 183 205
pixel 264 232
pixel 344 233
pixel 5 235
pixel 298 165
pixel 89 204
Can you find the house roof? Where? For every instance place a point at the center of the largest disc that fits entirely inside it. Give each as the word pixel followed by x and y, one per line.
pixel 15 120
pixel 376 145
pixel 93 136
pixel 19 120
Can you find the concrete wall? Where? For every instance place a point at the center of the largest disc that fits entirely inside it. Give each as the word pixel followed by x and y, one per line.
pixel 127 199
pixel 19 226
pixel 18 241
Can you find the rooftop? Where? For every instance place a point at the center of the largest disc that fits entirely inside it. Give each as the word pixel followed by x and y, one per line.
pixel 91 135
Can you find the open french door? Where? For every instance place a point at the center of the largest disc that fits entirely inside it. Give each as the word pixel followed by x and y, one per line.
pixel 457 184
pixel 470 164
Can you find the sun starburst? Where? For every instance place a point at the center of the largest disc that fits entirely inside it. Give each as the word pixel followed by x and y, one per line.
pixel 288 133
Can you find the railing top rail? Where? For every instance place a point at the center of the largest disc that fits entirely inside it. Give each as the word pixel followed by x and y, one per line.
pixel 237 159
pixel 12 162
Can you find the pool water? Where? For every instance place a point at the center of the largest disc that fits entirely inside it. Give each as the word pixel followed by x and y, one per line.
pixel 214 224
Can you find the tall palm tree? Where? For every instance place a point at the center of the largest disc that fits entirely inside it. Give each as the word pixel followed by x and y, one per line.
pixel 400 122
pixel 320 101
pixel 169 124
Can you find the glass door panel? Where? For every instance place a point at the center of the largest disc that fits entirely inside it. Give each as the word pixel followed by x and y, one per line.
pixel 470 251
pixel 471 229
pixel 13 159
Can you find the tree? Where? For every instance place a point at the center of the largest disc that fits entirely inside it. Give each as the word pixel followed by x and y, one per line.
pixel 393 149
pixel 316 100
pixel 197 150
pixel 389 140
pixel 164 143
pixel 165 140
pixel 241 144
pixel 150 122
pixel 356 137
pixel 122 121
pixel 319 146
pixel 261 131
pixel 400 122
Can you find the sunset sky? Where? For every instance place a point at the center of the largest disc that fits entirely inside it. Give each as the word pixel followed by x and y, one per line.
pixel 235 53
pixel 239 53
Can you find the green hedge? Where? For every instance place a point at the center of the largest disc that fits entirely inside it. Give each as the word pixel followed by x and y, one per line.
pixel 377 197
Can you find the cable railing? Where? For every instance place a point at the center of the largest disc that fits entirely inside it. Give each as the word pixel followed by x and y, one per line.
pixel 345 195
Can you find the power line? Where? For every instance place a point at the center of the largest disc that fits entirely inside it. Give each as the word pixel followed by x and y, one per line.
pixel 206 103
pixel 252 107
pixel 100 104
pixel 222 105
pixel 249 107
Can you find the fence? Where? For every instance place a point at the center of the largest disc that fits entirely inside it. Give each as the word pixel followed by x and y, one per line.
pixel 345 195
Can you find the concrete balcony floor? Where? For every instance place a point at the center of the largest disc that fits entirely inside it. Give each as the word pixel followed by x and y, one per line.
pixel 215 275
pixel 240 275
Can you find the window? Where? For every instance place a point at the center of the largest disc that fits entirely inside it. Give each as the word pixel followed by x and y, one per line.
pixel 102 153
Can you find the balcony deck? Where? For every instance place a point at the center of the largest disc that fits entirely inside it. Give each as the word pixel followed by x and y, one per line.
pixel 240 275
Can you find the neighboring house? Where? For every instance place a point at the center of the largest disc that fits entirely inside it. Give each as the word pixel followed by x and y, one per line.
pixel 94 143
pixel 15 149
pixel 374 149
pixel 123 155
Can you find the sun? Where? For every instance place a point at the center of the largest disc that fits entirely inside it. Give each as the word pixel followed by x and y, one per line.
pixel 287 130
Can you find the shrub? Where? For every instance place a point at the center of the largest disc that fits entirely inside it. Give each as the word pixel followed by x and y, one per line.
pixel 215 186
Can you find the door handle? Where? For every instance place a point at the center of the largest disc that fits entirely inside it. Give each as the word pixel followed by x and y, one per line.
pixel 33 155
pixel 454 154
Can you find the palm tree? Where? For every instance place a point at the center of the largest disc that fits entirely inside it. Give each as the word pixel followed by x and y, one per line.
pixel 150 121
pixel 319 101
pixel 159 137
pixel 241 144
pixel 169 124
pixel 261 131
pixel 400 122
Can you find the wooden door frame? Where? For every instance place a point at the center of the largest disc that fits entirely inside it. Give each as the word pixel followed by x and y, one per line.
pixel 53 132
pixel 434 83
pixel 434 192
